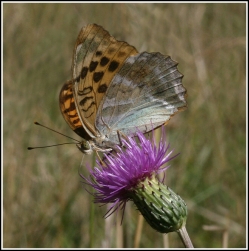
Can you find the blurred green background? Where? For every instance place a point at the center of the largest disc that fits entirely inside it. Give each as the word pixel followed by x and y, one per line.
pixel 45 205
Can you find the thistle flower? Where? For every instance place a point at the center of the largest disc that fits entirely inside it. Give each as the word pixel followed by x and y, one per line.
pixel 131 173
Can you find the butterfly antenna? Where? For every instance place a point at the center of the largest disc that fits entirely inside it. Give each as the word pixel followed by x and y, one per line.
pixel 31 148
pixel 36 123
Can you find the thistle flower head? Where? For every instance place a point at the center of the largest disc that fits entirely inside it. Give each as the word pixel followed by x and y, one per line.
pixel 131 174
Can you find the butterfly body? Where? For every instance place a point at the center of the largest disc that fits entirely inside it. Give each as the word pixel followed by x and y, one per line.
pixel 115 88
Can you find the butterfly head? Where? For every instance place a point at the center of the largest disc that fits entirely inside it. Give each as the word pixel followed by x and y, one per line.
pixel 85 147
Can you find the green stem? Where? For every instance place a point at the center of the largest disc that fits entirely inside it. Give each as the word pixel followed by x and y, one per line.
pixel 185 237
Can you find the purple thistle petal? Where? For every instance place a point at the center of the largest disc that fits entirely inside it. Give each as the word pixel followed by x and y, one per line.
pixel 124 170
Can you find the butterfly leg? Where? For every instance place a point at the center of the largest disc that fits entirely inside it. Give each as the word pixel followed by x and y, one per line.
pixel 120 134
pixel 101 161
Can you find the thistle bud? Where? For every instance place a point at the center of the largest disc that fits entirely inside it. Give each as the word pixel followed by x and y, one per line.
pixel 162 208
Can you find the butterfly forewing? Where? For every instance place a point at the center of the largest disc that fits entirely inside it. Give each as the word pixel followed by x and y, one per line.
pixel 69 112
pixel 97 59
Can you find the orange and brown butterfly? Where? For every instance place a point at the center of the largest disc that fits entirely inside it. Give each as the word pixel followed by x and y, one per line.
pixel 116 89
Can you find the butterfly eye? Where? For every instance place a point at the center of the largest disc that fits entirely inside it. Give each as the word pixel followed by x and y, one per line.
pixel 84 147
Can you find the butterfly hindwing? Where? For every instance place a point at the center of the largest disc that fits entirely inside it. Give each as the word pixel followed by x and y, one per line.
pixel 144 94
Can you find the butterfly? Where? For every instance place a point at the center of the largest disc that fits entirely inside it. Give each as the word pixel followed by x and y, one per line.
pixel 114 89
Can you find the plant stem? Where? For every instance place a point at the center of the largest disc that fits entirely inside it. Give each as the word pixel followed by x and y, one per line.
pixel 185 237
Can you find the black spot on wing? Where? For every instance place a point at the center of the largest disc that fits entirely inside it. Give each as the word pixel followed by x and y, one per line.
pixel 104 61
pixel 83 72
pixel 113 66
pixel 102 88
pixel 93 66
pixel 98 53
pixel 97 76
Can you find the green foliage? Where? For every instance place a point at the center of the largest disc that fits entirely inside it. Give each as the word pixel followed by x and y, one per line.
pixel 45 205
